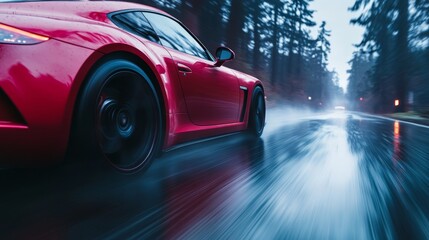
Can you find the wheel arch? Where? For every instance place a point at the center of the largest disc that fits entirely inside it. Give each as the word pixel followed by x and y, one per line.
pixel 250 99
pixel 259 84
pixel 95 61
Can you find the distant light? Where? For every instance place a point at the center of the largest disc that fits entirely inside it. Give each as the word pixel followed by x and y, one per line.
pixel 309 98
pixel 361 99
pixel 396 129
pixel 396 102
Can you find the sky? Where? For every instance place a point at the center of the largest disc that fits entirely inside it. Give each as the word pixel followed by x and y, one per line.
pixel 343 35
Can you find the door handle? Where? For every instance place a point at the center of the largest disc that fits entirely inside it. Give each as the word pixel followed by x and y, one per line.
pixel 183 68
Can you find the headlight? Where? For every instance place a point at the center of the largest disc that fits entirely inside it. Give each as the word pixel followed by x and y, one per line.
pixel 13 35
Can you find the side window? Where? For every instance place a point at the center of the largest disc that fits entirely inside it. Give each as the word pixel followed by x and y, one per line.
pixel 173 35
pixel 135 22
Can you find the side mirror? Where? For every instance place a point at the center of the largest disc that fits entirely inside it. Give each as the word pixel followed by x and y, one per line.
pixel 223 54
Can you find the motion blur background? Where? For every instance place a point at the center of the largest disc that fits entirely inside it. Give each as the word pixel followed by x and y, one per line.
pixel 281 42
pixel 312 175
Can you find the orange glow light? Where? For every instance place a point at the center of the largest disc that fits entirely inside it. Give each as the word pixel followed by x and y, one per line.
pixel 396 141
pixel 27 34
pixel 396 129
pixel 396 102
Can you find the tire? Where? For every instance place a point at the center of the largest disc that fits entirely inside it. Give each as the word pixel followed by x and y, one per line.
pixel 257 113
pixel 118 117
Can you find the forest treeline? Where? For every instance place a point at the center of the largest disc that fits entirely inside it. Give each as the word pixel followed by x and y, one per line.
pixel 272 39
pixel 390 68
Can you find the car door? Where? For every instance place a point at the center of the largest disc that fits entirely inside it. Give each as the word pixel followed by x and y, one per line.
pixel 211 93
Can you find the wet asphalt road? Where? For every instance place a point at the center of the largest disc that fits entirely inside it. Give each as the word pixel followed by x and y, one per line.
pixel 334 175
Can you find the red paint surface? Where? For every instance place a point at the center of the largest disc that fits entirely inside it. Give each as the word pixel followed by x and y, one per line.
pixel 43 80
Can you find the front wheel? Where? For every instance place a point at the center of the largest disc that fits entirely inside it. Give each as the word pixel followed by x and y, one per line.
pixel 257 112
pixel 119 117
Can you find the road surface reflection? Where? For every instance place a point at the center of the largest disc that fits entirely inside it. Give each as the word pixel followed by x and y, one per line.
pixel 334 175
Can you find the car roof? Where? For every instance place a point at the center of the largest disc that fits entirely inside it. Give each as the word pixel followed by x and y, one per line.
pixel 71 9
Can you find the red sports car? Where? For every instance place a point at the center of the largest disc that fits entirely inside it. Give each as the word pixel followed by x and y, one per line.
pixel 119 80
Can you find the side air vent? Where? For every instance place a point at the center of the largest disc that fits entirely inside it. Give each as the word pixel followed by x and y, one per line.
pixel 243 109
pixel 9 114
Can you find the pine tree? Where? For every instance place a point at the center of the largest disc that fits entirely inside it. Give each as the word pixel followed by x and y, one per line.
pixel 210 14
pixel 256 23
pixel 278 8
pixel 323 44
pixel 234 33
pixel 299 18
pixel 422 19
pixel 377 18
pixel 323 48
pixel 402 54
pixel 359 87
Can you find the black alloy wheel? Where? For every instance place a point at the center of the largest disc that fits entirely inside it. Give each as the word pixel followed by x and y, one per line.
pixel 257 112
pixel 119 116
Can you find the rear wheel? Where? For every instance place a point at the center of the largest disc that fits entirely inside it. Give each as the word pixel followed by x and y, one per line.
pixel 119 117
pixel 257 113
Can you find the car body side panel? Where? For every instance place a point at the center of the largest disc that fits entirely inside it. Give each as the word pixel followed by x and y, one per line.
pixel 211 93
pixel 185 130
pixel 40 94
